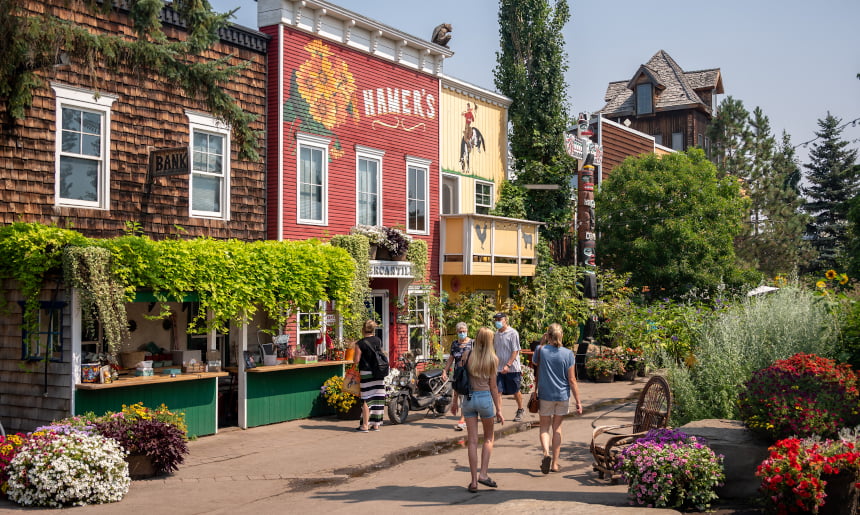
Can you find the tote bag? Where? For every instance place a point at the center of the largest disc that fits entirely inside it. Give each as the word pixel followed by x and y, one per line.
pixel 352 382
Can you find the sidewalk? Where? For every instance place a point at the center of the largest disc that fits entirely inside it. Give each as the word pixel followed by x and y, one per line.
pixel 324 465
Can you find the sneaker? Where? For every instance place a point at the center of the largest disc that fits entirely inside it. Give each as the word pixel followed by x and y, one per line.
pixel 460 427
pixel 519 415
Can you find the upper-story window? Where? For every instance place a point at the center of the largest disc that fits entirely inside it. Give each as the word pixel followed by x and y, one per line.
pixel 368 182
pixel 644 98
pixel 483 197
pixel 210 167
pixel 417 199
pixel 82 175
pixel 312 179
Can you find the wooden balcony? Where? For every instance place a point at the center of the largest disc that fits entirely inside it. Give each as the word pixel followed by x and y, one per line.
pixel 475 244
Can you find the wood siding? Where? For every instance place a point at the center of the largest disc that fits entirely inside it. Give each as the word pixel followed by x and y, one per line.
pixel 618 144
pixel 148 114
pixel 689 122
pixel 411 132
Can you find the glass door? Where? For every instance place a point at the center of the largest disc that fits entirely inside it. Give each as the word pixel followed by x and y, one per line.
pixel 379 303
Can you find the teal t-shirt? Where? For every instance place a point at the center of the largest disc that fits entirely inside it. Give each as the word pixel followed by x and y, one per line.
pixel 553 365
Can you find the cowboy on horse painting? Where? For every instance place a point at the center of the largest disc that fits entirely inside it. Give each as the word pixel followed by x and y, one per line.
pixel 472 137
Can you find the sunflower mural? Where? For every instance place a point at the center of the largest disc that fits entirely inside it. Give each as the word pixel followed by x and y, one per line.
pixel 322 95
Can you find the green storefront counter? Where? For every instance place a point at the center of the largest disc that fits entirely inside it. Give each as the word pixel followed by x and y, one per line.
pixel 288 392
pixel 195 394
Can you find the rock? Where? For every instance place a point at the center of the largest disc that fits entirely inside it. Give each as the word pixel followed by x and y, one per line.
pixel 743 452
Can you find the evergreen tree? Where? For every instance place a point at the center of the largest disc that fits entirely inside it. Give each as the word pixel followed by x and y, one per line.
pixel 731 137
pixel 30 43
pixel 833 180
pixel 530 71
pixel 853 265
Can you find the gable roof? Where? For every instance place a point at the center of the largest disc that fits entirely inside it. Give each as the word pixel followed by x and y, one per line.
pixel 676 89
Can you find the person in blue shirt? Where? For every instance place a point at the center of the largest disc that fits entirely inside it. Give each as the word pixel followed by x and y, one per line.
pixel 555 381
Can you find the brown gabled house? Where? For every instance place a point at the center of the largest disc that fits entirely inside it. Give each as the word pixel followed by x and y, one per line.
pixel 664 101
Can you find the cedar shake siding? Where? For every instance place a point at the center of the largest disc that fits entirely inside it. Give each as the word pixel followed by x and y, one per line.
pixel 147 114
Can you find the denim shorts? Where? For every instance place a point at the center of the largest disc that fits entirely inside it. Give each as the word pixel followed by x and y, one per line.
pixel 480 405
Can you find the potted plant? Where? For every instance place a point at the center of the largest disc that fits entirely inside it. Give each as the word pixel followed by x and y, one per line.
pixel 396 242
pixel 374 235
pixel 670 469
pixel 604 367
pixel 633 362
pixel 344 403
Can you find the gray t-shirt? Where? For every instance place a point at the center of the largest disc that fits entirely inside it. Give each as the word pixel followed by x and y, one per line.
pixel 506 343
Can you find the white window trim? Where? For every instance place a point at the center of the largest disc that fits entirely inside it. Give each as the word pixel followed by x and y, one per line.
pixel 418 162
pixel 425 292
pixel 205 123
pixel 455 200
pixel 320 143
pixel 492 195
pixel 316 331
pixel 91 101
pixel 372 154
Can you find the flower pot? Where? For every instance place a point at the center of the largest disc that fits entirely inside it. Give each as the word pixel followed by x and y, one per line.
pixel 399 257
pixel 629 375
pixel 374 249
pixel 349 355
pixel 640 369
pixel 354 412
pixel 140 466
pixel 606 377
pixel 842 496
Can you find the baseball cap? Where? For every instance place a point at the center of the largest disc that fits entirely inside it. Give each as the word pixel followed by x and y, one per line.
pixel 499 315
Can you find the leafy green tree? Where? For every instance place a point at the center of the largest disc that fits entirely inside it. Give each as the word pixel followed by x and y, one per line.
pixel 670 222
pixel 731 138
pixel 512 202
pixel 530 70
pixel 30 44
pixel 834 179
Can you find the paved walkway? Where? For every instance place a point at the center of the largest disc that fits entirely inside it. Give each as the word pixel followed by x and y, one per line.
pixel 323 465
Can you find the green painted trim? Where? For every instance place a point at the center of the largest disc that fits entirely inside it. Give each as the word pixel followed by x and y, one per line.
pixel 287 395
pixel 197 399
pixel 147 296
pixel 466 175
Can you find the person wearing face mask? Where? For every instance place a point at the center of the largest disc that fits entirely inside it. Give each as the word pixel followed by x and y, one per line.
pixel 458 347
pixel 507 344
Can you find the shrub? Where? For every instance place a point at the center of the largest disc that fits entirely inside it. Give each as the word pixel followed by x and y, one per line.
pixel 791 478
pixel 803 395
pixel 332 391
pixel 9 447
pixel 53 469
pixel 607 363
pixel 670 469
pixel 743 338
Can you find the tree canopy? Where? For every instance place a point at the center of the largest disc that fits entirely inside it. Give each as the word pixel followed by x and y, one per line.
pixel 670 222
pixel 530 70
pixel 31 43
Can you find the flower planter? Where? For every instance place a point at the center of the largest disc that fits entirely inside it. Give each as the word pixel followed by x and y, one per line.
pixel 640 370
pixel 627 376
pixel 373 251
pixel 140 466
pixel 604 378
pixel 354 412
pixel 842 496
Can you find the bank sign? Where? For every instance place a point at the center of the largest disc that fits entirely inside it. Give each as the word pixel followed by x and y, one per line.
pixel 349 96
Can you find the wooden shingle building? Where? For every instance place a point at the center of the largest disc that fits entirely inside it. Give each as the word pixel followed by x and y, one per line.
pixel 663 100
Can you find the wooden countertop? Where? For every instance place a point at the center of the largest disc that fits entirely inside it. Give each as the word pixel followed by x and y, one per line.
pixel 284 368
pixel 125 381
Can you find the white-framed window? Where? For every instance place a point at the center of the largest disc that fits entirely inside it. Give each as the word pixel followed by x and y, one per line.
pixel 309 326
pixel 417 198
pixel 82 174
pixel 47 342
pixel 644 98
pixel 419 322
pixel 312 179
pixel 483 197
pixel 677 141
pixel 368 184
pixel 210 167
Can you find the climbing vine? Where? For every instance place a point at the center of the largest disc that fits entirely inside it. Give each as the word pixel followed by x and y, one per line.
pixel 32 42
pixel 358 247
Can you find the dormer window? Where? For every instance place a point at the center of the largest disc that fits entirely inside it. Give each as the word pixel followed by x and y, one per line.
pixel 644 98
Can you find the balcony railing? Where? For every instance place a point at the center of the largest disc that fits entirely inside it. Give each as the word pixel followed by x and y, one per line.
pixel 474 244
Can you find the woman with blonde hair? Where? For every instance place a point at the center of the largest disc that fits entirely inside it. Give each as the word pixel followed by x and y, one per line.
pixel 372 390
pixel 455 360
pixel 555 380
pixel 483 401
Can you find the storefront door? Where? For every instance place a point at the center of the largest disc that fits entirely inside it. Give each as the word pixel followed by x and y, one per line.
pixel 379 301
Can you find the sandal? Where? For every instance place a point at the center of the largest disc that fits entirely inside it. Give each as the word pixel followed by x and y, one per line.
pixel 361 429
pixel 472 488
pixel 487 482
pixel 544 464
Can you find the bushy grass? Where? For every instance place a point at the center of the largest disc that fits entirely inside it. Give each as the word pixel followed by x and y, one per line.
pixel 746 337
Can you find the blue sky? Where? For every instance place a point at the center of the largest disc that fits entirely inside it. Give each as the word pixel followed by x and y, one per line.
pixel 796 60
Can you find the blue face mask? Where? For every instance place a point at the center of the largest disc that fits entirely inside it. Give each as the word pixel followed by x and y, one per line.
pixel 498 324
pixel 461 336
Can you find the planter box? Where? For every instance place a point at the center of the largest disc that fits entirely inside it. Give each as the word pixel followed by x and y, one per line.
pixel 306 359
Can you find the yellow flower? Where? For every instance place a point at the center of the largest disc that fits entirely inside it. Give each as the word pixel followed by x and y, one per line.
pixel 843 278
pixel 327 85
pixel 821 285
pixel 830 274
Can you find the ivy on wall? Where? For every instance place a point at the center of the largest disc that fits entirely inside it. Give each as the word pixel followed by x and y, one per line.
pixel 232 279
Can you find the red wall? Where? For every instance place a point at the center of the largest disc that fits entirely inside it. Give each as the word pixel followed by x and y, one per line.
pixel 357 119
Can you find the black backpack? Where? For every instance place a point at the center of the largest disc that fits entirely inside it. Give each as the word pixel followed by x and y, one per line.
pixel 377 360
pixel 460 380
